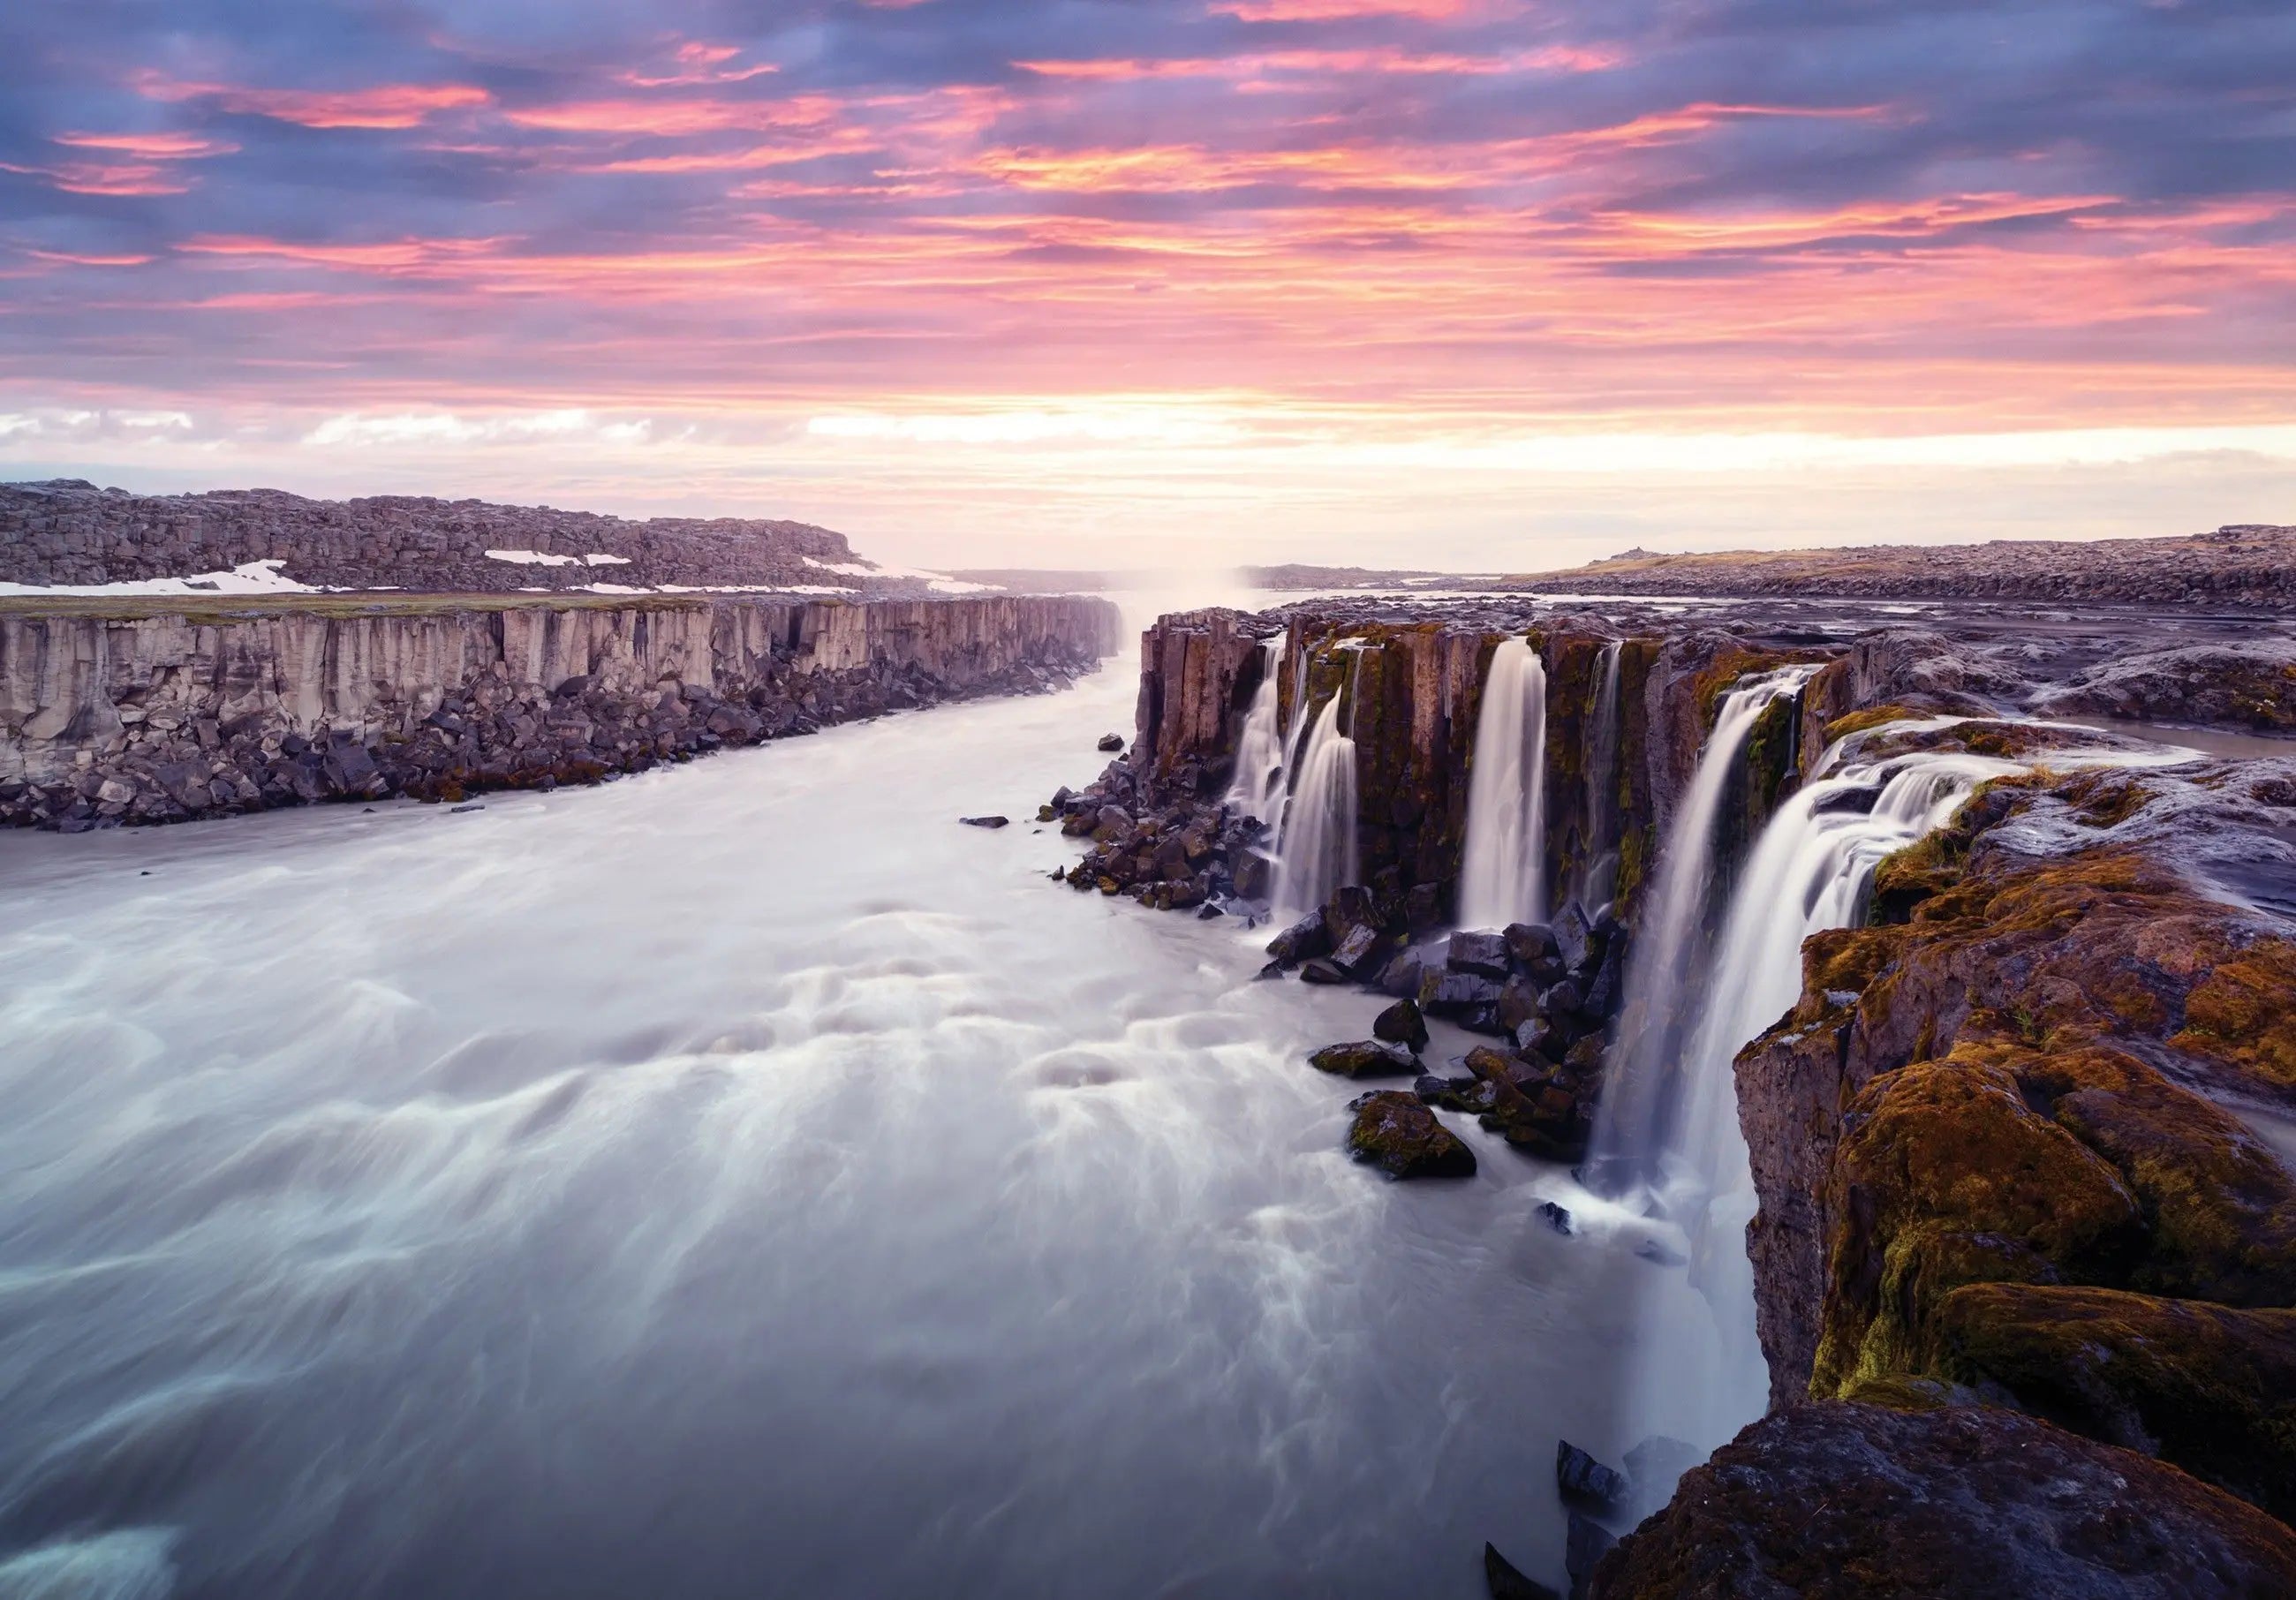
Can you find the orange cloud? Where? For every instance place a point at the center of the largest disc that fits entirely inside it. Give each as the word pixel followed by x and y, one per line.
pixel 151 147
pixel 672 119
pixel 383 106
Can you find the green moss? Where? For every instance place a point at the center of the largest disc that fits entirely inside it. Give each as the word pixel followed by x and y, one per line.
pixel 1946 1176
pixel 2207 1387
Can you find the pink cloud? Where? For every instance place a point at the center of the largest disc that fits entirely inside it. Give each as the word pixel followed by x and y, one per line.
pixel 382 106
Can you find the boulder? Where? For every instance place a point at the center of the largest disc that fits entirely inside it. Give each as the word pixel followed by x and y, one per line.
pixel 1506 1583
pixel 1324 971
pixel 1395 1133
pixel 1578 1477
pixel 985 822
pixel 1454 994
pixel 1303 940
pixel 1574 936
pixel 1254 875
pixel 1358 955
pixel 1484 955
pixel 1370 1058
pixel 1530 943
pixel 1401 1023
pixel 1950 1503
pixel 1403 976
pixel 1111 742
pixel 1585 1542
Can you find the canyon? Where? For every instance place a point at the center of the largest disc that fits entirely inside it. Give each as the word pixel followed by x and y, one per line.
pixel 159 710
pixel 1898 957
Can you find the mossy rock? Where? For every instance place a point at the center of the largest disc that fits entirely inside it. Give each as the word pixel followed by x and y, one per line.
pixel 1837 1501
pixel 2210 1388
pixel 1943 1176
pixel 1395 1133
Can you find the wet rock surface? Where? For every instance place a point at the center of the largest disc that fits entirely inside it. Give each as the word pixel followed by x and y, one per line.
pixel 1393 1132
pixel 1847 1501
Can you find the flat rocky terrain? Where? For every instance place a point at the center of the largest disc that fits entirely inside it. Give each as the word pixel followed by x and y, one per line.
pixel 2245 565
pixel 66 531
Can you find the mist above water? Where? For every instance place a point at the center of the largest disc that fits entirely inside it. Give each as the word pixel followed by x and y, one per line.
pixel 739 1179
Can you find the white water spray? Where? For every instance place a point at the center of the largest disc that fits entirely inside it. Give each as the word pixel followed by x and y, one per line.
pixel 1502 874
pixel 1600 881
pixel 1317 850
pixel 1631 1125
pixel 1259 750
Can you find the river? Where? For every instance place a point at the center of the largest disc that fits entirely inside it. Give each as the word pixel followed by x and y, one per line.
pixel 740 1179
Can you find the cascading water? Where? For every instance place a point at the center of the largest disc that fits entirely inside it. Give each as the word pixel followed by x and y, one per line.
pixel 1809 872
pixel 1600 882
pixel 1317 850
pixel 1501 874
pixel 1260 748
pixel 1633 1121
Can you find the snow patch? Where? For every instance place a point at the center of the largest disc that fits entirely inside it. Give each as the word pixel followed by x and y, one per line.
pixel 530 558
pixel 248 578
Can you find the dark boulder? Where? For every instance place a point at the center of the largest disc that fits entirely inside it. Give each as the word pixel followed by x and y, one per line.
pixel 1485 955
pixel 1111 742
pixel 1585 1545
pixel 1557 1218
pixel 1254 875
pixel 1358 955
pixel 1394 1132
pixel 985 822
pixel 1506 1583
pixel 1950 1504
pixel 1455 994
pixel 1303 940
pixel 1325 971
pixel 1574 936
pixel 1402 976
pixel 1579 1477
pixel 1530 943
pixel 1517 1003
pixel 1370 1058
pixel 1401 1023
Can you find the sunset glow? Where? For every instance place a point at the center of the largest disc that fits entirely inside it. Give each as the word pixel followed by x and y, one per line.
pixel 1019 282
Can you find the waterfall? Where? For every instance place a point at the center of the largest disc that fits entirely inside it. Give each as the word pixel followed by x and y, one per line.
pixel 1811 871
pixel 1600 882
pixel 1317 848
pixel 1633 1122
pixel 1501 873
pixel 1260 748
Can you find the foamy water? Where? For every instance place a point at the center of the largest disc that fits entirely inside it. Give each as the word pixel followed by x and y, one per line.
pixel 737 1180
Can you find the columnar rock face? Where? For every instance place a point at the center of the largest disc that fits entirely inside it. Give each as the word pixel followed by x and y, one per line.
pixel 1198 671
pixel 157 717
pixel 2022 1148
pixel 69 532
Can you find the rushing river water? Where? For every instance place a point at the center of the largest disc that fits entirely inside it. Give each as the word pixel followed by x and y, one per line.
pixel 739 1180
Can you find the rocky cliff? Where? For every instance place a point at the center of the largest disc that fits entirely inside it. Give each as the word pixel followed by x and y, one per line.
pixel 158 712
pixel 69 532
pixel 2026 1247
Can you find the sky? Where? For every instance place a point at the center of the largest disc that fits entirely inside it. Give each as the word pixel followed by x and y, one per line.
pixel 1482 284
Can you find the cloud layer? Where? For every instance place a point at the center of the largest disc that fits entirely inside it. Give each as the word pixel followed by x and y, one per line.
pixel 1434 216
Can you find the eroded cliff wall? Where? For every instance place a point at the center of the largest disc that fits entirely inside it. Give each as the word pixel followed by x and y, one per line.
pixel 157 717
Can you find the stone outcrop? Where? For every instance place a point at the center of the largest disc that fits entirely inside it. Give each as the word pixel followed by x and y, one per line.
pixel 69 532
pixel 1846 1501
pixel 2021 1200
pixel 2000 1143
pixel 165 714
